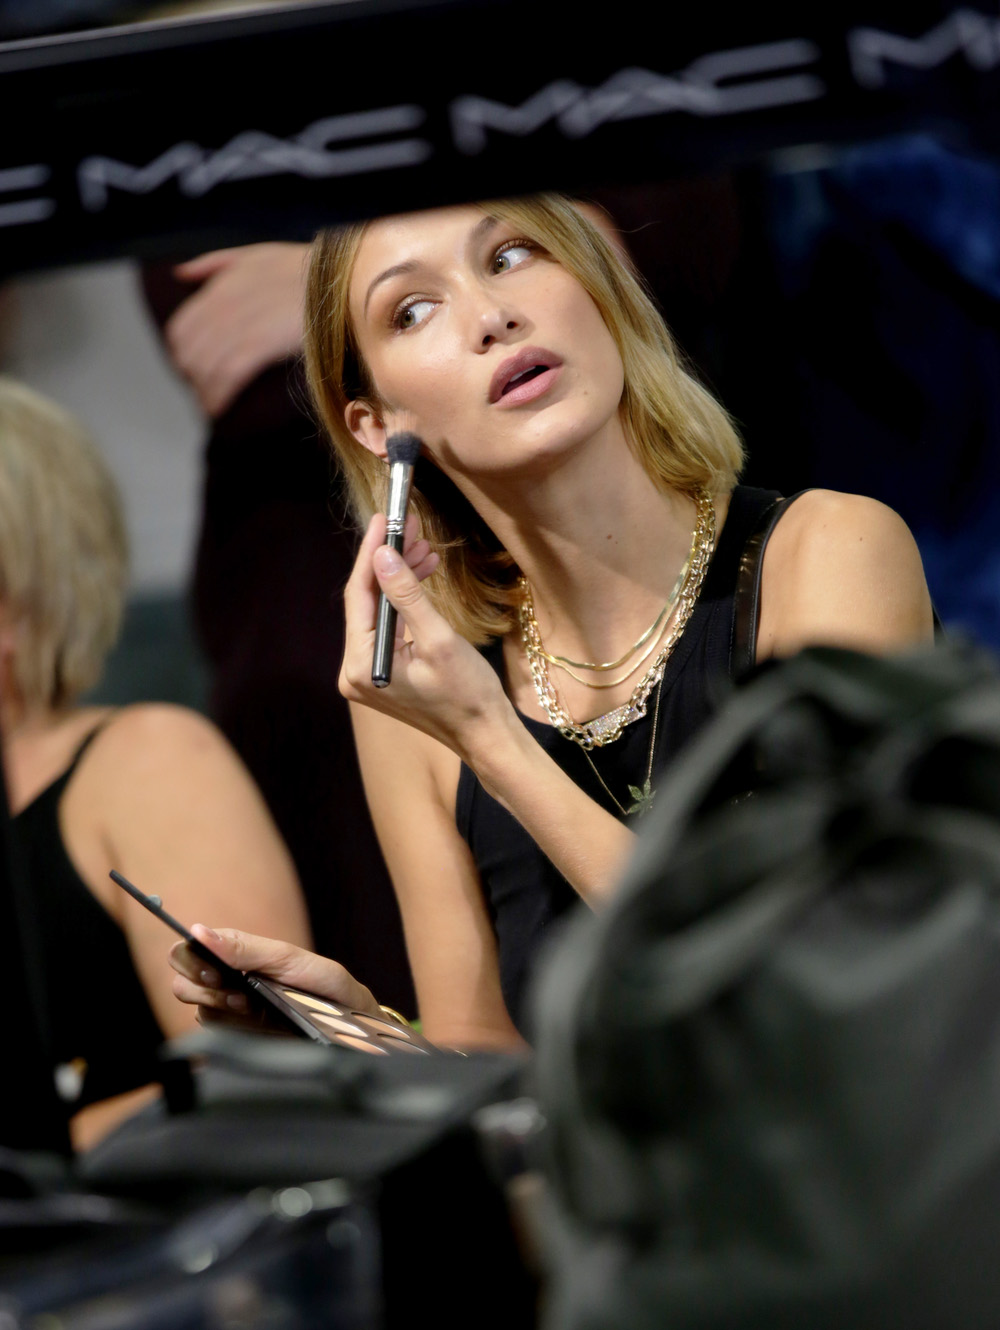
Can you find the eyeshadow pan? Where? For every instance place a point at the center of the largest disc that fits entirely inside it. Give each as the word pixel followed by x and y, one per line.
pixel 312 1003
pixel 363 1045
pixel 338 1023
pixel 382 1028
pixel 401 1046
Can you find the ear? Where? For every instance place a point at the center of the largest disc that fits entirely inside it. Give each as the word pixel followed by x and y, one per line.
pixel 364 420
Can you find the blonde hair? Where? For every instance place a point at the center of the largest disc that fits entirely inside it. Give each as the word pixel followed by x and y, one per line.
pixel 679 432
pixel 63 547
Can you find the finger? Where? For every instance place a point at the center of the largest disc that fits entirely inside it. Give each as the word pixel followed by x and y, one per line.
pixel 404 591
pixel 253 1020
pixel 197 995
pixel 425 567
pixel 192 967
pixel 417 552
pixel 203 266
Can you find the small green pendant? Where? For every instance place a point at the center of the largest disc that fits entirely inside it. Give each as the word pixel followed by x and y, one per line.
pixel 643 799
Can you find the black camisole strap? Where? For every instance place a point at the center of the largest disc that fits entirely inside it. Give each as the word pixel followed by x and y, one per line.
pixel 746 603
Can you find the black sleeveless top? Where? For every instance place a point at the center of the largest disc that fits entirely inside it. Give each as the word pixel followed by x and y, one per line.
pixel 524 892
pixel 98 1011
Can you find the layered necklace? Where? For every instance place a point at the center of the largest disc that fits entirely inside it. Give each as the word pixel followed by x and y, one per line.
pixel 603 730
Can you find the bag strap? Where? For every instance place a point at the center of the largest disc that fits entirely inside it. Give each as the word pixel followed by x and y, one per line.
pixel 746 602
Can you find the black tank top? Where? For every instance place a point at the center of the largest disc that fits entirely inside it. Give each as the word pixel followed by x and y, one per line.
pixel 524 892
pixel 97 1007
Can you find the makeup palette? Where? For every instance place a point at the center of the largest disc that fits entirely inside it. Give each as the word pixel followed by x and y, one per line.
pixel 327 1022
pixel 296 1012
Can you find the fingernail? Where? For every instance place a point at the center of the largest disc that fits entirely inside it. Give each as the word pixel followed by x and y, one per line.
pixel 211 932
pixel 210 978
pixel 236 1002
pixel 387 560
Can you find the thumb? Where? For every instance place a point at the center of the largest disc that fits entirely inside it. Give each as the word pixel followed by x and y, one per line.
pixel 244 951
pixel 204 265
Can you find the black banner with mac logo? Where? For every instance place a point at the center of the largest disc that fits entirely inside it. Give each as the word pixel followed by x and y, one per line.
pixel 183 134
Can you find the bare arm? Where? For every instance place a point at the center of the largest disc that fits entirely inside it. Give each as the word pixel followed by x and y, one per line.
pixel 411 782
pixel 163 797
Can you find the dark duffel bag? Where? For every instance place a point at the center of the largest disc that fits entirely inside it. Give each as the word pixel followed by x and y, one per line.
pixel 771 1067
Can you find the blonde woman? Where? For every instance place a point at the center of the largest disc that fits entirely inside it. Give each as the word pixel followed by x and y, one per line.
pixel 576 504
pixel 152 790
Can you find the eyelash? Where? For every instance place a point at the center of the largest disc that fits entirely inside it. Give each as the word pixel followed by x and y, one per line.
pixel 521 243
pixel 396 317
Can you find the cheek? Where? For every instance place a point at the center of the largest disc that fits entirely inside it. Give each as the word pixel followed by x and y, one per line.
pixel 422 380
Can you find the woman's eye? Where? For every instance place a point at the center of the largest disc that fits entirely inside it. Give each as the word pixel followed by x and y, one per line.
pixel 408 316
pixel 509 258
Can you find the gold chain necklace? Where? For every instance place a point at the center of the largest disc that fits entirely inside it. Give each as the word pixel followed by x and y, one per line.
pixel 564 663
pixel 607 728
pixel 609 683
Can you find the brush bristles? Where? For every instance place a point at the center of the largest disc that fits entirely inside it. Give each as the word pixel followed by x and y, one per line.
pixel 404 446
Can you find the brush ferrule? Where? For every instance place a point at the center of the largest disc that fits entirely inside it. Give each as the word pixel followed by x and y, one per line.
pixel 400 480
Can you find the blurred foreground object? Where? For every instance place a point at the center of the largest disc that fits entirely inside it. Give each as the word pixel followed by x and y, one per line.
pixel 771 1066
pixel 278 1184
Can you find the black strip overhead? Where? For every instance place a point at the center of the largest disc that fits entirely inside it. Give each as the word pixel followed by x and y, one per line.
pixel 180 134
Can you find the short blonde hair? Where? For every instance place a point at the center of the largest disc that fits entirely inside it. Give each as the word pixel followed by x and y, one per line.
pixel 63 547
pixel 680 433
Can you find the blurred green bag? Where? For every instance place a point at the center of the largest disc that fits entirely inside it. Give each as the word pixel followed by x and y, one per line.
pixel 771 1068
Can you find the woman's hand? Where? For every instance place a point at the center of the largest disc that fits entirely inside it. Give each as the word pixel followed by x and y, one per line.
pixel 245 315
pixel 201 985
pixel 440 683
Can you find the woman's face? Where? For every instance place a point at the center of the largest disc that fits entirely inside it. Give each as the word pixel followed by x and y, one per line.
pixel 498 351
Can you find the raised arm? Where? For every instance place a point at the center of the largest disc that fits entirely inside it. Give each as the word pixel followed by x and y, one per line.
pixel 444 688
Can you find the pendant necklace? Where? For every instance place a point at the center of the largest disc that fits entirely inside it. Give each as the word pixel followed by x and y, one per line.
pixel 642 795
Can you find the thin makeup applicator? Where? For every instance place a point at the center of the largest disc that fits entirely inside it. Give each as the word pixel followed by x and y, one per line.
pixel 403 449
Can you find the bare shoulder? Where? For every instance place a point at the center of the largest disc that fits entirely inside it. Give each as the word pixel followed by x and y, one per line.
pixel 829 518
pixel 842 569
pixel 163 742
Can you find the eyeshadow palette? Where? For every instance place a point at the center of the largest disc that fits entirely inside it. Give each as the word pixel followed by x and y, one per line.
pixel 304 1014
pixel 328 1022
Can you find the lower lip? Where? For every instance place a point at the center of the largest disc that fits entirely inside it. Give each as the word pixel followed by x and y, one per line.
pixel 530 389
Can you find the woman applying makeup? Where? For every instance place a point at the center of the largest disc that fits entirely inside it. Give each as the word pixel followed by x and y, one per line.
pixel 575 503
pixel 150 789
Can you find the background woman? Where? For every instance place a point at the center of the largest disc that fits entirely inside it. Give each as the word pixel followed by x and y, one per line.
pixel 152 790
pixel 576 496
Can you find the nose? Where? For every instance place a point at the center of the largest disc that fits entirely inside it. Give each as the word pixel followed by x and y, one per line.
pixel 495 325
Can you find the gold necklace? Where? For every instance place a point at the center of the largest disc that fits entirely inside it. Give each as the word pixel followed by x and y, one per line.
pixel 607 728
pixel 564 662
pixel 642 795
pixel 609 683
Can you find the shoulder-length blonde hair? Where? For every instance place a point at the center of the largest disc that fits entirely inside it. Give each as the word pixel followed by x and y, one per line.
pixel 680 433
pixel 63 548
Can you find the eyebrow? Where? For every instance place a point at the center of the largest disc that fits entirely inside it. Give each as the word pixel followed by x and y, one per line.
pixel 397 270
pixel 484 225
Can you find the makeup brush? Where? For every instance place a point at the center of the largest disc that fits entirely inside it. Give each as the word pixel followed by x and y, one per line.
pixel 403 449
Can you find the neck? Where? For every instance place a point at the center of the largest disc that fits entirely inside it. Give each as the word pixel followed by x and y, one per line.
pixel 599 543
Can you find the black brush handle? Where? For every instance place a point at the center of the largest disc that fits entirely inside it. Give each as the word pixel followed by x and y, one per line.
pixel 385 626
